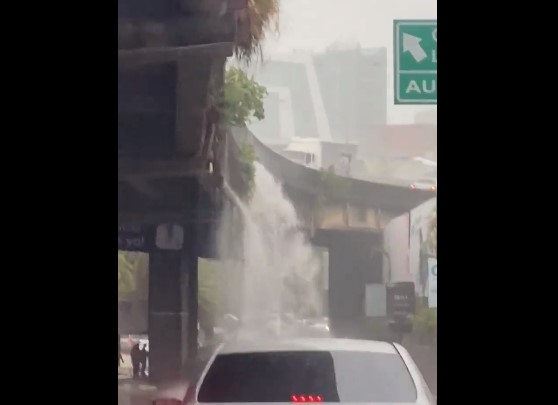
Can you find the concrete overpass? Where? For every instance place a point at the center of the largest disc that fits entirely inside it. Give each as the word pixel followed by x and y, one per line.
pixel 349 223
pixel 366 206
pixel 171 56
pixel 170 155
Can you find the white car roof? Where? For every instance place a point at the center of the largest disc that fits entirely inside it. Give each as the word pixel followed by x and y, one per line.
pixel 317 344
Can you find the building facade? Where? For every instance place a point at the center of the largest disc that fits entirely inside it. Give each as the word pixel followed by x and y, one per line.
pixel 336 95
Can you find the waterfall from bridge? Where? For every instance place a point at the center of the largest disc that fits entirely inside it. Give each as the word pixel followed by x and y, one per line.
pixel 278 264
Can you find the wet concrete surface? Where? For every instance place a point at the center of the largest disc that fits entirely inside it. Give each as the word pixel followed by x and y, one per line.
pixel 140 391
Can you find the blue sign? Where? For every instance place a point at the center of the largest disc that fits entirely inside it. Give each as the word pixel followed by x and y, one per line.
pixel 432 282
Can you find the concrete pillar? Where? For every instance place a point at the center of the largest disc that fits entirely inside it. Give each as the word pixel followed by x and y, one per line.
pixel 352 264
pixel 172 298
pixel 346 280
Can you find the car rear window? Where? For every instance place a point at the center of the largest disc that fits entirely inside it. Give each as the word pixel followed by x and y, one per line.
pixel 338 376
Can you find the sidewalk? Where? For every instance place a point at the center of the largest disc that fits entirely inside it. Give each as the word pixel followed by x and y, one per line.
pixel 131 392
pixel 142 392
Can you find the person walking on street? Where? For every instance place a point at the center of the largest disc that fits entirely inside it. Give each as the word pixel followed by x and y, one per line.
pixel 120 358
pixel 136 360
pixel 143 360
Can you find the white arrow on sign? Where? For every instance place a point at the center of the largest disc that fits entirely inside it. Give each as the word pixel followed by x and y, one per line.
pixel 411 44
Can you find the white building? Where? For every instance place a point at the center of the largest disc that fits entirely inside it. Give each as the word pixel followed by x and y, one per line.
pixel 404 238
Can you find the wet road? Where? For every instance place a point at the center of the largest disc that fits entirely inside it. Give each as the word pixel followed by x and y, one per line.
pixel 125 369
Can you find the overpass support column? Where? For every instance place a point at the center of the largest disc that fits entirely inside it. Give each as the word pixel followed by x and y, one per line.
pixel 352 265
pixel 172 298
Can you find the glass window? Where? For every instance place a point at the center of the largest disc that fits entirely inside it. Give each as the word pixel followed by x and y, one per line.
pixel 339 376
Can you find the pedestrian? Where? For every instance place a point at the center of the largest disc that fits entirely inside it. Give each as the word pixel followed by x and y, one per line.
pixel 135 354
pixel 120 358
pixel 143 360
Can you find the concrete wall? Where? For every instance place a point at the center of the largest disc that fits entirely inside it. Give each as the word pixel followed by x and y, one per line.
pixel 396 245
pixel 132 317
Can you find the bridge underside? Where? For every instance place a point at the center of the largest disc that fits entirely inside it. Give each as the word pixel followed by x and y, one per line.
pixel 349 224
pixel 355 259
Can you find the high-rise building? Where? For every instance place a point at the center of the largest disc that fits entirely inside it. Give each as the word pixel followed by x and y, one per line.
pixel 336 95
pixel 353 83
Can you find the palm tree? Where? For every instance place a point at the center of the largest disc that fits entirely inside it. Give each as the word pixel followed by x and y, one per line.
pixel 260 17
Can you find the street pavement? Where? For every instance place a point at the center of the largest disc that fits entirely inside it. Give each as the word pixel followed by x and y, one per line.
pixel 133 392
pixel 125 369
pixel 141 392
pixel 136 393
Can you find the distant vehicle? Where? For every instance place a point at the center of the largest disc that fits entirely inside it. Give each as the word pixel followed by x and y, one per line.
pixel 316 327
pixel 302 158
pixel 424 184
pixel 308 370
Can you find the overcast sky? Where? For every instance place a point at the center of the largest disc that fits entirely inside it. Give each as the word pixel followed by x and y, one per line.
pixel 314 24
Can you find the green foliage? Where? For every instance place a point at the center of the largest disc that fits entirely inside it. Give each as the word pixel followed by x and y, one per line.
pixel 242 99
pixel 126 279
pixel 208 292
pixel 247 169
pixel 425 323
pixel 209 300
pixel 332 186
pixel 133 274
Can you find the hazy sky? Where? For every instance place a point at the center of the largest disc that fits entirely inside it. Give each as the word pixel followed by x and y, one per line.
pixel 314 24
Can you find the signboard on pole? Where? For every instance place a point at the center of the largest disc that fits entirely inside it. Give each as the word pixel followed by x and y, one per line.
pixel 400 306
pixel 415 55
pixel 432 282
pixel 400 299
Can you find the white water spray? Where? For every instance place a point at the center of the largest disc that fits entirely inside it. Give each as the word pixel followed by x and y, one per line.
pixel 279 267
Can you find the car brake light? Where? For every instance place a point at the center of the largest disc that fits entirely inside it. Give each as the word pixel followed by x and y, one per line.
pixel 433 188
pixel 412 186
pixel 306 398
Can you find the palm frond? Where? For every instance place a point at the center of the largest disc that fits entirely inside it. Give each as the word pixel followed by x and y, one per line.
pixel 259 18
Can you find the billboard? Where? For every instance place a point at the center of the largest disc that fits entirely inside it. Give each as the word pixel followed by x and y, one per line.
pixel 432 282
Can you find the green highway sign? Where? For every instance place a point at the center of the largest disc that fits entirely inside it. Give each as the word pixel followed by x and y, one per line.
pixel 415 54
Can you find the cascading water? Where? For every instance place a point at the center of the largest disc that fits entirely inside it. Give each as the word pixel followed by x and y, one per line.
pixel 278 265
